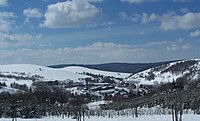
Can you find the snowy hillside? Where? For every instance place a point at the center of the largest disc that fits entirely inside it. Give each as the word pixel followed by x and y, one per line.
pixel 187 70
pixel 49 91
pixel 77 69
pixel 40 73
pixel 26 73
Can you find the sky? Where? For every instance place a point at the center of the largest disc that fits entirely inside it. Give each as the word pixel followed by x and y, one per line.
pixel 48 32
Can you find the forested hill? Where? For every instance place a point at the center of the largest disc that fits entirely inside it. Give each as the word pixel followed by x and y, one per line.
pixel 183 71
pixel 117 67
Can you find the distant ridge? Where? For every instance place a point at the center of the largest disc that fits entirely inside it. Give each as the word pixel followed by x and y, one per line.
pixel 117 67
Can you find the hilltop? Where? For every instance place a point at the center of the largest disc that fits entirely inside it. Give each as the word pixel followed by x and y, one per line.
pixel 185 70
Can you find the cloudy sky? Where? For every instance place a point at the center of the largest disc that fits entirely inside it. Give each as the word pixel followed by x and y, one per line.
pixel 47 32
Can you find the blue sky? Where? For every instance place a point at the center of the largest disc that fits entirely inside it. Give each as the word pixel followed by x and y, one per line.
pixel 47 32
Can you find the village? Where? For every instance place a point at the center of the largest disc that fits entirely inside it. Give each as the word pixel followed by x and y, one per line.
pixel 102 90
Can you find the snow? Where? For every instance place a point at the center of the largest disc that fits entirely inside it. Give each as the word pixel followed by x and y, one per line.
pixel 28 70
pixel 46 72
pixel 187 117
pixel 21 82
pixel 95 105
pixel 161 77
pixel 75 90
pixel 107 91
pixel 49 74
pixel 77 69
pixel 8 89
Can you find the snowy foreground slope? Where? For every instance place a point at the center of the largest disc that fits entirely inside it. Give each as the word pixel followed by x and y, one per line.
pixel 187 70
pixel 188 117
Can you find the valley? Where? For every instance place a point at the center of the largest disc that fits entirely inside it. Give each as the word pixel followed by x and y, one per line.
pixel 33 91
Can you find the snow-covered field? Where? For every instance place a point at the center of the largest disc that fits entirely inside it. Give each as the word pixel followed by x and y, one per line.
pixel 55 74
pixel 95 105
pixel 49 74
pixel 26 72
pixel 188 117
pixel 46 72
pixel 77 69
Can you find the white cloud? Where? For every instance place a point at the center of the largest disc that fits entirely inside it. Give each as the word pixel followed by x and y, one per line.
pixel 70 14
pixel 178 45
pixel 186 46
pixel 15 37
pixel 107 23
pixel 95 0
pixel 181 0
pixel 3 44
pixel 32 13
pixel 172 47
pixel 184 10
pixel 195 33
pixel 132 18
pixel 17 40
pixel 98 52
pixel 3 2
pixel 6 21
pixel 14 45
pixel 187 21
pixel 95 53
pixel 85 0
pixel 103 24
pixel 142 1
pixel 108 28
pixel 146 18
pixel 138 1
pixel 109 51
pixel 172 21
pixel 142 33
pixel 158 43
pixel 39 36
